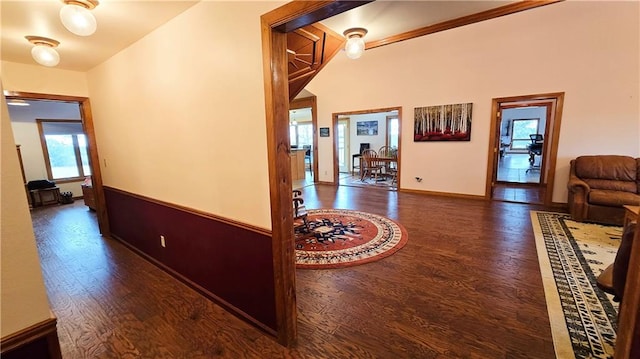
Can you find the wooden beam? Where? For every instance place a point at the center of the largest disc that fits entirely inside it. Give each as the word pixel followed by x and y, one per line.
pixel 274 26
pixel 299 14
pixel 461 21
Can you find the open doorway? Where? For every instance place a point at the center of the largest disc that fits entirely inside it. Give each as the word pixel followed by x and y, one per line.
pixel 57 113
pixel 303 141
pixel 523 155
pixel 360 135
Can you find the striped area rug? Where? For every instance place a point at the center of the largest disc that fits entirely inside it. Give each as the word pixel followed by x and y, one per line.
pixel 571 256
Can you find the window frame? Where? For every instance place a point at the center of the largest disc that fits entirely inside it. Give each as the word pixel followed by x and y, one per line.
pixel 76 148
pixel 528 140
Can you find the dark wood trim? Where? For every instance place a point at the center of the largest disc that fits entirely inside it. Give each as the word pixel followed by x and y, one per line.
pixel 552 130
pixel 628 336
pixel 336 160
pixel 274 25
pixel 96 171
pixel 43 330
pixel 193 211
pixel 276 88
pixel 443 194
pixel 228 306
pixel 462 21
pixel 24 177
pixel 94 159
pixel 297 14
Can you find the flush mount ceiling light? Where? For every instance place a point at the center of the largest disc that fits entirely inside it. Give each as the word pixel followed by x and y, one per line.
pixel 43 51
pixel 355 42
pixel 77 17
pixel 17 102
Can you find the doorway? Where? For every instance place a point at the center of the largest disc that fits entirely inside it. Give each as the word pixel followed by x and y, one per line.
pixel 524 146
pixel 377 130
pixel 90 147
pixel 302 135
pixel 342 138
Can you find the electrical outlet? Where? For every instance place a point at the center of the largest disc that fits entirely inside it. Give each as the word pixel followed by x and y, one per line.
pixel 162 242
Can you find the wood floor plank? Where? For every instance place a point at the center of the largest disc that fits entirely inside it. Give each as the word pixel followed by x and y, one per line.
pixel 466 285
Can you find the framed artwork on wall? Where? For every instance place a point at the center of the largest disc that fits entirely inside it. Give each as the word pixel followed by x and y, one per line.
pixel 367 128
pixel 442 123
pixel 324 131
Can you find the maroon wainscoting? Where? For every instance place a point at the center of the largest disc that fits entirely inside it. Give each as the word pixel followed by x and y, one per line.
pixel 229 262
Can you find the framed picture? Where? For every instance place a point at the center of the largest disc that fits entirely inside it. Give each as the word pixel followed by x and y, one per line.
pixel 442 123
pixel 367 128
pixel 324 131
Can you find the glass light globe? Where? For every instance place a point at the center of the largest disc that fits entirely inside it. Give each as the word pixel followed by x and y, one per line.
pixel 78 20
pixel 45 55
pixel 354 47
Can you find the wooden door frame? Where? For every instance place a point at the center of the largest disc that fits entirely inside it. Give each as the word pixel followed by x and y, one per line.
pixel 363 112
pixel 552 132
pixel 310 102
pixel 94 159
pixel 548 105
pixel 274 25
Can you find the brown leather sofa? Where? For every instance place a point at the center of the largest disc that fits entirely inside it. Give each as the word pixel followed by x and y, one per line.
pixel 599 187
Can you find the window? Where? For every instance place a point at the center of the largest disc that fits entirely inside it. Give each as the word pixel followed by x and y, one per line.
pixel 64 145
pixel 521 129
pixel 301 134
pixel 393 132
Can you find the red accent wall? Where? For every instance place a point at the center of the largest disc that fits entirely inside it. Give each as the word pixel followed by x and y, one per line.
pixel 232 263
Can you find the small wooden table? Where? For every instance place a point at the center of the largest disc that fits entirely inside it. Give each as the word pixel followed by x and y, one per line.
pixel 630 214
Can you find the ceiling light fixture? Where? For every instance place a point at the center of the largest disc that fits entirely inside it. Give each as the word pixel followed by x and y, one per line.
pixel 355 42
pixel 17 102
pixel 43 51
pixel 77 18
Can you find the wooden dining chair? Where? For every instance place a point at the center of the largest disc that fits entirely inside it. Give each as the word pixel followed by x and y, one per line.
pixel 390 167
pixel 370 166
pixel 299 212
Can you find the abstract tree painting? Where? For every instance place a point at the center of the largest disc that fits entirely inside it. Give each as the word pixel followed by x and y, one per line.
pixel 443 123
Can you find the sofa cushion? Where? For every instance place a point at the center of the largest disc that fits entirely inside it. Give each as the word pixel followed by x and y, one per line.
pixel 603 197
pixel 608 172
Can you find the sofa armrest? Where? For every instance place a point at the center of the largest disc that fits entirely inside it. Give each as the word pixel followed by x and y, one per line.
pixel 578 194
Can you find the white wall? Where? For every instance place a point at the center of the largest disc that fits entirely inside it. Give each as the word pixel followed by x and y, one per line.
pixel 376 141
pixel 589 50
pixel 43 80
pixel 180 115
pixel 22 293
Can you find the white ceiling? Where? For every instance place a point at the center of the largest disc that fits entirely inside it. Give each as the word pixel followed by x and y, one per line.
pixel 120 24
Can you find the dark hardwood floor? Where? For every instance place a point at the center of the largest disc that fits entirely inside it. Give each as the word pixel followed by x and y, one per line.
pixel 466 285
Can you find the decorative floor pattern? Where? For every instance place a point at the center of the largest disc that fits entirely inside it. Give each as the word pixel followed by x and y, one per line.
pixel 340 237
pixel 572 255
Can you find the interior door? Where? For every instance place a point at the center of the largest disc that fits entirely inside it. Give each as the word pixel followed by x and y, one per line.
pixel 343 146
